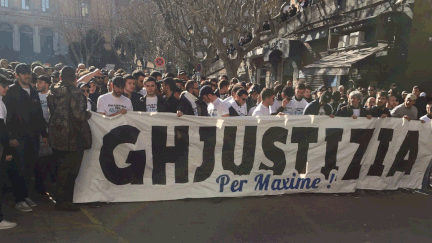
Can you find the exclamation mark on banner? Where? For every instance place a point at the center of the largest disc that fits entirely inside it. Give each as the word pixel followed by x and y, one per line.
pixel 333 177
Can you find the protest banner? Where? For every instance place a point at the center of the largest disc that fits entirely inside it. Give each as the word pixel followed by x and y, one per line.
pixel 149 156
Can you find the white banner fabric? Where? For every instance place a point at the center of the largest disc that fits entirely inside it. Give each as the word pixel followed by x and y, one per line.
pixel 150 157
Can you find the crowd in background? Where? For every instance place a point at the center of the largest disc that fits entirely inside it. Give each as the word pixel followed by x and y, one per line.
pixel 44 113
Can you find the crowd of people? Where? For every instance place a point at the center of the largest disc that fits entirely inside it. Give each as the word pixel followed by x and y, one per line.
pixel 44 113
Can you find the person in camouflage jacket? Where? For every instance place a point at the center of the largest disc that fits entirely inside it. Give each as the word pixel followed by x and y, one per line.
pixel 68 127
pixel 69 134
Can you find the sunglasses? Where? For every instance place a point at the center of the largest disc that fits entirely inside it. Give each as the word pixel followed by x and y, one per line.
pixel 85 91
pixel 244 99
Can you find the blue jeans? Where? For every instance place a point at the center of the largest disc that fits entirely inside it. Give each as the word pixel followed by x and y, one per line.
pixel 426 177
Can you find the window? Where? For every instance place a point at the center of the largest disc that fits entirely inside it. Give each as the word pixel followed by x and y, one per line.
pixel 45 5
pixel 25 4
pixel 84 9
pixel 4 3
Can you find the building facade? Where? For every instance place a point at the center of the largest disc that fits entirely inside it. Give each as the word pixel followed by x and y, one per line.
pixel 28 33
pixel 40 30
pixel 353 43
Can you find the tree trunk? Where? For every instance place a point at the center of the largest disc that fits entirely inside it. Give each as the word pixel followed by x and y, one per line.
pixel 231 68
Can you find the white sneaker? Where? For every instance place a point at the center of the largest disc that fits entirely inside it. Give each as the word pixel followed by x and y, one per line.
pixel 7 225
pixel 23 207
pixel 30 202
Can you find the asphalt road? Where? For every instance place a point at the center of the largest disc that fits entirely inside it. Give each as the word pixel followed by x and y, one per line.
pixel 393 217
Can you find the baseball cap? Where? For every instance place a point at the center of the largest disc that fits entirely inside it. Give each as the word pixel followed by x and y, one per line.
pixel 45 79
pixel 4 80
pixel 255 88
pixel 67 72
pixel 82 84
pixel 118 82
pixel 93 80
pixel 22 68
pixel 326 97
pixel 205 90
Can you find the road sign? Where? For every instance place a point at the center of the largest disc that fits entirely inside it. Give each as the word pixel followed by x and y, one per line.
pixel 160 62
pixel 199 67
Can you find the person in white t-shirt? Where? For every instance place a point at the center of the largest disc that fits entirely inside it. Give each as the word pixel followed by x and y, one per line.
pixel 216 107
pixel 42 85
pixel 263 109
pixel 114 103
pixel 299 101
pixel 233 96
pixel 428 117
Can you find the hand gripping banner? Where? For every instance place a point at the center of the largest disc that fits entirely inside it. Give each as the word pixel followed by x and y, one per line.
pixel 150 157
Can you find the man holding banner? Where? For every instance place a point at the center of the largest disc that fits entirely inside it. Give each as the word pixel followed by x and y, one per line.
pixel 114 103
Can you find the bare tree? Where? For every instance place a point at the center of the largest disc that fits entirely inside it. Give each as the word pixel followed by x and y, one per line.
pixel 84 26
pixel 231 27
pixel 138 33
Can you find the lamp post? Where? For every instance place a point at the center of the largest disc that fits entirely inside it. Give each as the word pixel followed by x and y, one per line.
pixel 191 32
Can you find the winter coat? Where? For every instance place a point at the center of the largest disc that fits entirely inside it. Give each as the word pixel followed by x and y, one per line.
pixel 162 104
pixel 68 128
pixel 314 107
pixel 347 111
pixel 24 112
pixel 185 106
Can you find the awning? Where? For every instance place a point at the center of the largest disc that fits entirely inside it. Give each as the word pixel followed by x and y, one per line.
pixel 339 63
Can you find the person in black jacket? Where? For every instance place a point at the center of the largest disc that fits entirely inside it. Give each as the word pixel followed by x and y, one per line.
pixel 189 104
pixel 129 92
pixel 354 108
pixel 168 88
pixel 5 151
pixel 336 96
pixel 321 106
pixel 25 123
pixel 380 110
pixel 152 102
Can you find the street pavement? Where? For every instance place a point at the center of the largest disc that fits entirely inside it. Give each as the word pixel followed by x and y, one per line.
pixel 390 217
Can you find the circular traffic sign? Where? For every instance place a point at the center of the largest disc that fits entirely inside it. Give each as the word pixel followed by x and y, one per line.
pixel 160 62
pixel 199 67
